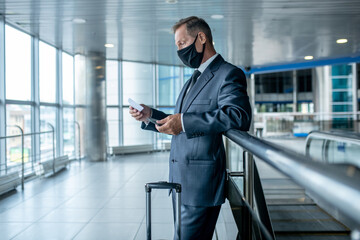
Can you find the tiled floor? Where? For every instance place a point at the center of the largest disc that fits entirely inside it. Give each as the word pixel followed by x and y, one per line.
pixel 102 200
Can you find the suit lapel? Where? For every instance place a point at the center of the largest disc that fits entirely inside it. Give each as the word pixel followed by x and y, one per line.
pixel 201 82
pixel 179 101
pixel 196 89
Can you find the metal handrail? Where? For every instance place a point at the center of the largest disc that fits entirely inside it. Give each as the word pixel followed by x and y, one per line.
pixel 321 114
pixel 339 189
pixel 327 137
pixel 348 137
pixel 25 134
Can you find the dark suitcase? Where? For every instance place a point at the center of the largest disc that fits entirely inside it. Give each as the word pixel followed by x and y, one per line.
pixel 162 185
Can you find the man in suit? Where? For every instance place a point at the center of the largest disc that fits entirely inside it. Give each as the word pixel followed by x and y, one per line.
pixel 213 101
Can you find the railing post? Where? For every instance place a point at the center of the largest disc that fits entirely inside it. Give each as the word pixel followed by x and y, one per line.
pixel 53 137
pixel 178 214
pixel 248 162
pixel 249 178
pixel 22 155
pixel 78 126
pixel 325 151
pixel 107 140
pixel 22 159
pixel 148 214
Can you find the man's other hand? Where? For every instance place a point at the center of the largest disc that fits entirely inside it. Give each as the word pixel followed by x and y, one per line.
pixel 140 116
pixel 170 125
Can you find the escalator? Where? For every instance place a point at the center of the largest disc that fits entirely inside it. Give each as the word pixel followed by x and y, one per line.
pixel 287 201
pixel 294 215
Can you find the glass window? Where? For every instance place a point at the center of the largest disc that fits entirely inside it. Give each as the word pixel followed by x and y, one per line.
pixel 358 75
pixel 304 80
pixel 265 84
pixel 286 82
pixel 69 138
pixel 68 78
pixel 112 83
pixel 342 93
pixel 133 134
pixel 342 96
pixel 187 73
pixel 342 83
pixel 47 72
pixel 341 70
pixel 17 64
pixel 113 126
pixel 169 85
pixel 342 108
pixel 273 107
pixel 138 82
pixel 47 116
pixel 80 79
pixel 19 115
pixel 280 82
pixel 306 107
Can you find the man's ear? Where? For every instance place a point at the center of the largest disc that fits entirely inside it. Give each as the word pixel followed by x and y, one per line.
pixel 202 37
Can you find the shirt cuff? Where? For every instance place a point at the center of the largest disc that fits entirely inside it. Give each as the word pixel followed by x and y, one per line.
pixel 146 121
pixel 182 123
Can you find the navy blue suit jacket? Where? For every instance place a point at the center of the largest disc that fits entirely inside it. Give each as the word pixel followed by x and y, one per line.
pixel 216 103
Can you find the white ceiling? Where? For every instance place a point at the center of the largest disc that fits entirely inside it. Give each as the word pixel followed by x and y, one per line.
pixel 252 32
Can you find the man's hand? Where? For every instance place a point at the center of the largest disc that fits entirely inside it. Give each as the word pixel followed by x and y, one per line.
pixel 170 125
pixel 140 116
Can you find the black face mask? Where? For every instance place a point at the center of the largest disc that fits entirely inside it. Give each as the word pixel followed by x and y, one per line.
pixel 190 57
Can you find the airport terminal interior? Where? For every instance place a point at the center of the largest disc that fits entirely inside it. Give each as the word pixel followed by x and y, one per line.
pixel 74 163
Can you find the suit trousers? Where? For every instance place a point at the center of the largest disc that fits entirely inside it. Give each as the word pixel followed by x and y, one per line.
pixel 197 223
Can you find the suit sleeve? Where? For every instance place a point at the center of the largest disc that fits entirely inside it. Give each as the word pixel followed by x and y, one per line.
pixel 156 115
pixel 233 112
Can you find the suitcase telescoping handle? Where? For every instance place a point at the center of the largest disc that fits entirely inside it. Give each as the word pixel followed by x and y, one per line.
pixel 162 185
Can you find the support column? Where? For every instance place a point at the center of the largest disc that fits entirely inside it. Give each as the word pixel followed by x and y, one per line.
pixel 95 114
pixel 354 92
pixel 59 101
pixel 323 96
pixel 2 91
pixel 154 99
pixel 251 92
pixel 295 91
pixel 35 97
pixel 121 94
pixel 80 99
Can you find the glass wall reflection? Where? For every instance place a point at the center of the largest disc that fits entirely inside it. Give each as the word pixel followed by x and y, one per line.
pixel 18 64
pixel 112 83
pixel 18 115
pixel 69 132
pixel 47 73
pixel 138 82
pixel 68 78
pixel 47 116
pixel 169 85
pixel 133 134
pixel 113 124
